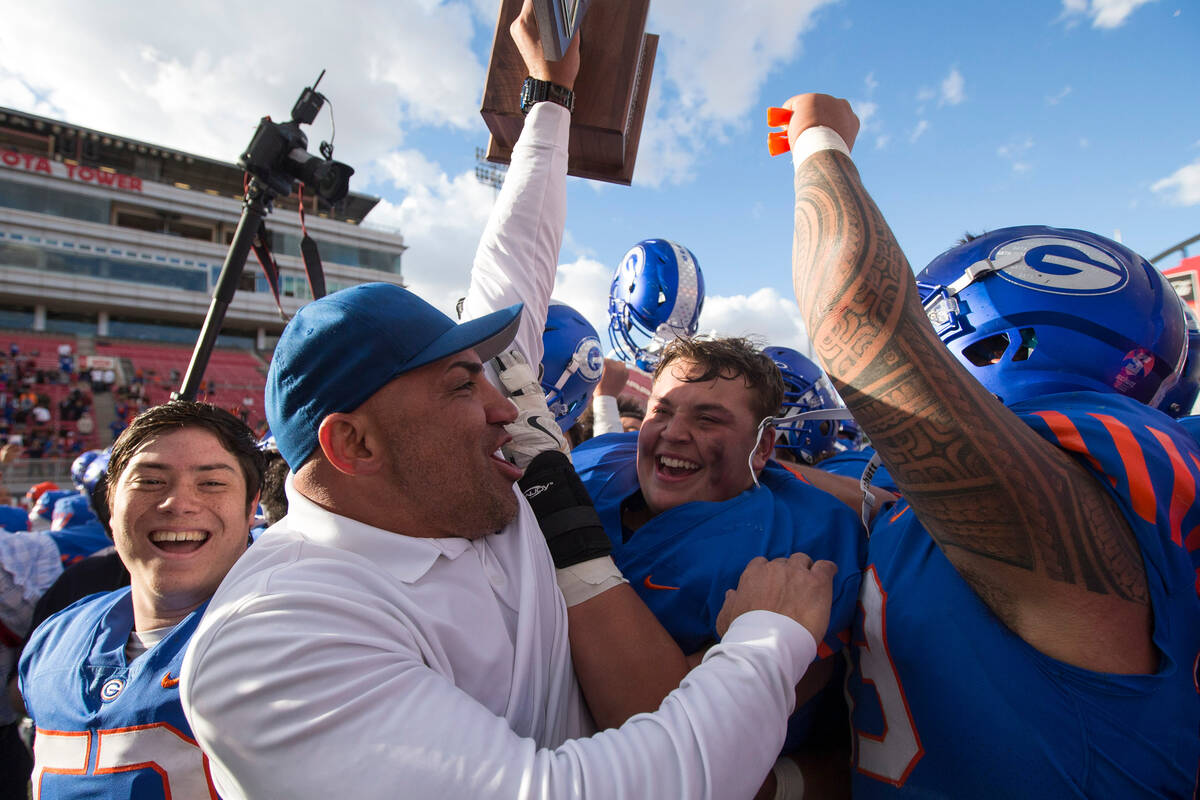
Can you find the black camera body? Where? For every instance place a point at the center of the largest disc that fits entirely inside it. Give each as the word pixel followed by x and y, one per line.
pixel 278 154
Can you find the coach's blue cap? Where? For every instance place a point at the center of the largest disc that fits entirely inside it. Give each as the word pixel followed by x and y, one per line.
pixel 339 350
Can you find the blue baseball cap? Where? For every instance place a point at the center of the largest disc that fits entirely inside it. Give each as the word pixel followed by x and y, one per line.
pixel 341 349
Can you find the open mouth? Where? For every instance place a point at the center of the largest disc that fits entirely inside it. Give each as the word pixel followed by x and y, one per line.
pixel 672 467
pixel 178 541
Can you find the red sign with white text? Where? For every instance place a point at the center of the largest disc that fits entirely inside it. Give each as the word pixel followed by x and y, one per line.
pixel 74 172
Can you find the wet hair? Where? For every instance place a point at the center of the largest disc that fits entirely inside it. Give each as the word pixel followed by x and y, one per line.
pixel 729 358
pixel 233 434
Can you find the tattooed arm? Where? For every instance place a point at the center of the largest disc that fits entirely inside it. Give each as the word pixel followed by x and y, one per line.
pixel 1036 537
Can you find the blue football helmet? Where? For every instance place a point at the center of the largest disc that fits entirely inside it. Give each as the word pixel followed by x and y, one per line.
pixel 79 466
pixel 96 472
pixel 850 436
pixel 1179 399
pixel 572 363
pixel 1033 310
pixel 657 294
pixel 805 388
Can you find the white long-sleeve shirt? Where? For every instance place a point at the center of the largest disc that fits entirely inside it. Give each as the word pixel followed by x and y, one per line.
pixel 341 660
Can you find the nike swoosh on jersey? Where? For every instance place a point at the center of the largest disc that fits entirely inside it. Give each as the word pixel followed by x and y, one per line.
pixel 651 585
pixel 168 682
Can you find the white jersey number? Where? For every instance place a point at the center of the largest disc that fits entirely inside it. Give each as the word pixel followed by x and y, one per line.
pixel 892 756
pixel 159 747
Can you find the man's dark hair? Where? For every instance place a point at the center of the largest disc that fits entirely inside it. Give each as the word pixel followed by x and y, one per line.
pixel 231 432
pixel 631 407
pixel 274 498
pixel 730 357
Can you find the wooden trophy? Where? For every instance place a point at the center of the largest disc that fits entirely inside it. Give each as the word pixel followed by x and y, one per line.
pixel 616 60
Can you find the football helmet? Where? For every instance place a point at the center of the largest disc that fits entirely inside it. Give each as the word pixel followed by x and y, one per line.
pixel 1033 310
pixel 850 436
pixel 79 467
pixel 572 362
pixel 657 294
pixel 96 472
pixel 806 388
pixel 1179 399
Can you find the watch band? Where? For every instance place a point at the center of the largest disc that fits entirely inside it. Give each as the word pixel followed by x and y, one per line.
pixel 535 91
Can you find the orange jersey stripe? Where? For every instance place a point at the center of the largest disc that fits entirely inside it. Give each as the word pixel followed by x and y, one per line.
pixel 1068 437
pixel 1141 491
pixel 1183 493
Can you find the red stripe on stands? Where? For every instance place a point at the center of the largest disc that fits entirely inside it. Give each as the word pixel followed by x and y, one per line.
pixel 1183 493
pixel 1141 491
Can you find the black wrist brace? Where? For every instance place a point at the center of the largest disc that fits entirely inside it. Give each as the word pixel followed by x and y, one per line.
pixel 564 510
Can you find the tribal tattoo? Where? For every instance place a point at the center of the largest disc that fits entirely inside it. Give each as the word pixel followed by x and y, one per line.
pixel 984 484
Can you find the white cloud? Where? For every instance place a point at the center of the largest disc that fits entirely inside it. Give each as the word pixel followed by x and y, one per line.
pixel 1103 13
pixel 1016 152
pixel 584 284
pixel 188 77
pixel 870 82
pixel 917 132
pixel 1058 97
pixel 952 88
pixel 710 68
pixel 1181 187
pixel 882 141
pixel 764 315
pixel 441 217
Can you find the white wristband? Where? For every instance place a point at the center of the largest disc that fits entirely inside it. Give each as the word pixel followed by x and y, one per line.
pixel 606 415
pixel 583 581
pixel 789 780
pixel 814 140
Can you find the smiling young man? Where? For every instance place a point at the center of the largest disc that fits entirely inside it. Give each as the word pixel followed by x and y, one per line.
pixel 690 499
pixel 100 679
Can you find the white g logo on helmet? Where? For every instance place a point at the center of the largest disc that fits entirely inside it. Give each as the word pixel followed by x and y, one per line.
pixel 1059 266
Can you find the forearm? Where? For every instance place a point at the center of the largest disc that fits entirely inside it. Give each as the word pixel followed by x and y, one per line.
pixel 625 661
pixel 992 493
pixel 517 258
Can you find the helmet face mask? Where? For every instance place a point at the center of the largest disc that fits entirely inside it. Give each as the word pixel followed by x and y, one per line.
pixel 572 363
pixel 1179 399
pixel 806 388
pixel 1031 311
pixel 657 294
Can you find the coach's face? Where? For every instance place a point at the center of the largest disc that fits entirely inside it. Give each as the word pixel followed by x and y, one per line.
pixel 179 521
pixel 444 424
pixel 696 440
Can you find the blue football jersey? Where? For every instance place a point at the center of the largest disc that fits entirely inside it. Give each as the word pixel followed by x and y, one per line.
pixel 77 542
pixel 683 560
pixel 947 702
pixel 106 728
pixel 1191 425
pixel 851 464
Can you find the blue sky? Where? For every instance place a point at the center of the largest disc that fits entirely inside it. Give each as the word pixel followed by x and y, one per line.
pixel 1080 113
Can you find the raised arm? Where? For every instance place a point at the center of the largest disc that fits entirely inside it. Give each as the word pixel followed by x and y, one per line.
pixel 517 257
pixel 1036 537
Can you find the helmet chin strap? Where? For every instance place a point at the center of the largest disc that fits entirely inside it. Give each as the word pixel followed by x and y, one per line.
pixel 762 425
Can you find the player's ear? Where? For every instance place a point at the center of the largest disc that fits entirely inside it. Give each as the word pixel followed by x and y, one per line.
pixel 764 448
pixel 348 443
